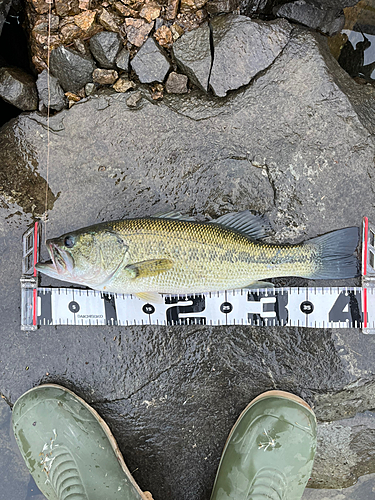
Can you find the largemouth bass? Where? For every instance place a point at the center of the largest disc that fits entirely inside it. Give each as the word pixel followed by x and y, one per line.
pixel 169 254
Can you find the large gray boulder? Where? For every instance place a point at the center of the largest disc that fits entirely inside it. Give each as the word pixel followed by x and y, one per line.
pixel 297 143
pixel 242 48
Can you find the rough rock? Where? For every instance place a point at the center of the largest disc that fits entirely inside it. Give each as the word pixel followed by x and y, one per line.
pixel 242 48
pixel 150 63
pixel 125 10
pixel 123 84
pixel 164 36
pixel 73 70
pixel 309 14
pixel 43 23
pixel 104 47
pixel 171 10
pixel 221 6
pixel 85 20
pixel 122 60
pixel 69 31
pixel 18 88
pixel 134 99
pixel 67 7
pixel 110 21
pixel 137 30
pixel 56 99
pixel 104 76
pixel 192 52
pixel 297 144
pixel 264 7
pixel 150 11
pixel 40 6
pixel 192 6
pixel 176 83
pixel 346 451
pixel 89 88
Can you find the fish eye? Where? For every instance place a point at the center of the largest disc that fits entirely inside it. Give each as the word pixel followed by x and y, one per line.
pixel 69 241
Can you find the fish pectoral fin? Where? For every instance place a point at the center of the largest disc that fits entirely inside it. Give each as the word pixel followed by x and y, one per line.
pixel 148 268
pixel 152 297
pixel 260 284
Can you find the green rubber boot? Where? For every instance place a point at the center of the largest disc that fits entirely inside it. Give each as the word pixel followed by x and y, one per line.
pixel 269 452
pixel 69 449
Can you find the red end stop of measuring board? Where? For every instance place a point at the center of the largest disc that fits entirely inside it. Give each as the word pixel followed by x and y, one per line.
pixel 368 273
pixel 29 279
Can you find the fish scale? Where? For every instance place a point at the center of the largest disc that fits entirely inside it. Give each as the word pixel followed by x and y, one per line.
pixel 193 247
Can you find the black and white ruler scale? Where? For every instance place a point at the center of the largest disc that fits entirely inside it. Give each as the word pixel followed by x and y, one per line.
pixel 316 307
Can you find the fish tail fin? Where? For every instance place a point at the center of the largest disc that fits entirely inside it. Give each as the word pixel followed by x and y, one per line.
pixel 334 254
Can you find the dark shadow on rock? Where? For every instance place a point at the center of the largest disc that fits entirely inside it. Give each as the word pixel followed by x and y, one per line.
pixel 20 181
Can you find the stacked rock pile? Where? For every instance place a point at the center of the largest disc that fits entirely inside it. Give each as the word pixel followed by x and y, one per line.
pixel 166 43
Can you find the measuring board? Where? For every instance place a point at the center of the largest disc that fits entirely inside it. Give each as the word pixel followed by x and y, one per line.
pixel 315 307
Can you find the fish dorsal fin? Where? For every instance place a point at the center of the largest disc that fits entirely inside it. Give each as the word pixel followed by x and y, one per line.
pixel 174 214
pixel 148 268
pixel 254 226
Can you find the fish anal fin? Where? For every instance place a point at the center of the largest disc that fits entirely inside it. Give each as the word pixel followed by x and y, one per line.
pixel 149 268
pixel 260 284
pixel 152 297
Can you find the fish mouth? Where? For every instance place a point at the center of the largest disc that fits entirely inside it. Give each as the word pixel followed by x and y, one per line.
pixel 61 262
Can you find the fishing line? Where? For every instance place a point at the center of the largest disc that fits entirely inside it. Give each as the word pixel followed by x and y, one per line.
pixel 45 215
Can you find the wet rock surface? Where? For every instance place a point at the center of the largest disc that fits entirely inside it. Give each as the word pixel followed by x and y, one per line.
pixel 312 15
pixel 299 149
pixel 4 9
pixel 73 70
pixel 150 63
pixel 18 88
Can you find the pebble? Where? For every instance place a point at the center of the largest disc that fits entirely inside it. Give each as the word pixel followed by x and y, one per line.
pixel 18 88
pixel 85 20
pixel 122 60
pixel 150 63
pixel 41 6
pixel 134 99
pixel 164 36
pixel 171 10
pixel 104 47
pixel 123 84
pixel 43 23
pixel 104 76
pixel 56 98
pixel 157 92
pixel 150 11
pixel 176 83
pixel 125 10
pixel 89 88
pixel 110 21
pixel 137 30
pixel 66 7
